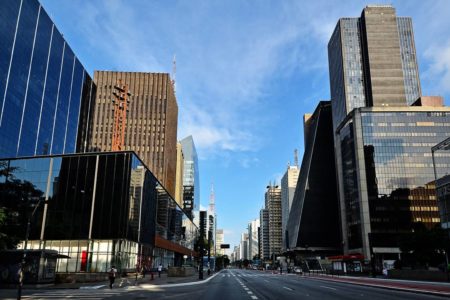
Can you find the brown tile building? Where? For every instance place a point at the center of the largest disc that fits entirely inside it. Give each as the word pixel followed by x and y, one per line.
pixel 152 120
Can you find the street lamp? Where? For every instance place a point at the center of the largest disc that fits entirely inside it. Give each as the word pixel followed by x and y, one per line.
pixel 24 256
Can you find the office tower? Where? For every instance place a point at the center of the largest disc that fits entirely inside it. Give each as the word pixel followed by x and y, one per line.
pixel 244 246
pixel 151 123
pixel 45 93
pixel 179 176
pixel 219 242
pixel 253 245
pixel 264 246
pixel 382 145
pixel 191 182
pixel 440 152
pixel 372 62
pixel 273 206
pixel 288 184
pixel 313 223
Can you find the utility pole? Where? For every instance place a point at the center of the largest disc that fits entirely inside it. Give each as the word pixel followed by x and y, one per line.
pixel 120 108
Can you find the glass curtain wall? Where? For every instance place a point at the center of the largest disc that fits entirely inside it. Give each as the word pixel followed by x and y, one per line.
pixel 99 209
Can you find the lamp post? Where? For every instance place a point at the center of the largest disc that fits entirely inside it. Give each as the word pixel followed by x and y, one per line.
pixel 24 256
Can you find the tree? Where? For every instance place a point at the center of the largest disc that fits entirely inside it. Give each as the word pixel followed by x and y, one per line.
pixel 424 247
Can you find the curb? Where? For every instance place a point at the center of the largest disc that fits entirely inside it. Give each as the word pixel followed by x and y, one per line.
pixel 411 290
pixel 152 286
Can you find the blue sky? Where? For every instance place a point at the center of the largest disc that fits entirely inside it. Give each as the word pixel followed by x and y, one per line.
pixel 247 71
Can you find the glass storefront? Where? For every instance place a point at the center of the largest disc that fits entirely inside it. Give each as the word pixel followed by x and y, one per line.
pixel 99 209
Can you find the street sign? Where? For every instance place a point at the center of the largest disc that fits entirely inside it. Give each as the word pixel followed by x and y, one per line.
pixel 224 246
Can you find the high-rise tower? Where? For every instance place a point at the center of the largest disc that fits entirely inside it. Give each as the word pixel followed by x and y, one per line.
pixel 151 122
pixel 372 62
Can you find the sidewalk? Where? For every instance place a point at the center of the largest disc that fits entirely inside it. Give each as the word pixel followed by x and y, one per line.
pixel 122 282
pixel 425 287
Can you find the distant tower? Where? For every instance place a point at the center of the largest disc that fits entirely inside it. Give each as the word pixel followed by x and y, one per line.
pixel 212 216
pixel 212 200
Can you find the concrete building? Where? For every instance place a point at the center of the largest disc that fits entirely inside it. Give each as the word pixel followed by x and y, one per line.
pixel 191 180
pixel 264 246
pixel 253 245
pixel 288 184
pixel 243 246
pixel 179 176
pixel 46 95
pixel 273 206
pixel 220 239
pixel 151 123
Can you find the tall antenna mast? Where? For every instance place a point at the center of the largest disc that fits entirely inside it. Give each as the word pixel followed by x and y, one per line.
pixel 212 200
pixel 174 70
pixel 120 108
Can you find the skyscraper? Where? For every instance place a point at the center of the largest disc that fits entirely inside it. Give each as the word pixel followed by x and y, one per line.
pixel 383 132
pixel 191 182
pixel 273 206
pixel 264 246
pixel 253 245
pixel 45 93
pixel 179 176
pixel 151 123
pixel 372 62
pixel 288 184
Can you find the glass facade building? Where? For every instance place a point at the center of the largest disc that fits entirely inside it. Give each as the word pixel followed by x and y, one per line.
pixel 387 174
pixel 372 62
pixel 44 90
pixel 101 209
pixel 441 152
pixel 191 181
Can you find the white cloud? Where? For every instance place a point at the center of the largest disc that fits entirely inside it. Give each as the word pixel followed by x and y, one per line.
pixel 438 71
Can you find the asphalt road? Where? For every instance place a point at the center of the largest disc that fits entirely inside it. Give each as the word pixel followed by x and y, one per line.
pixel 236 284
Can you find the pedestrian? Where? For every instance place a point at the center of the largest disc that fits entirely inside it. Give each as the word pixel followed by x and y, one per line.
pixel 144 270
pixel 159 270
pixel 112 276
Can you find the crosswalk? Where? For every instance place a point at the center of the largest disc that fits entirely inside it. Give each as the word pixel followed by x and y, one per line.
pixel 88 294
pixel 257 275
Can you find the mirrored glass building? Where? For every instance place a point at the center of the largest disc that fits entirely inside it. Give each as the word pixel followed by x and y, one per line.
pixel 100 209
pixel 45 93
pixel 191 181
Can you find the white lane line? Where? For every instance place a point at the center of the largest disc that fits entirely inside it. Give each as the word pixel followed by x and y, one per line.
pixel 254 297
pixel 287 288
pixel 327 287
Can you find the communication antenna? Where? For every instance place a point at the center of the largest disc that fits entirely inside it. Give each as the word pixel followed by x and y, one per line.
pixel 174 70
pixel 120 108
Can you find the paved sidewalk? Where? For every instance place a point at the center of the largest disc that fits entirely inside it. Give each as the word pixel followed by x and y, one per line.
pixel 426 287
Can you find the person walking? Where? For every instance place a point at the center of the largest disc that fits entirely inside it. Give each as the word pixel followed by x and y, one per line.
pixel 159 270
pixel 112 276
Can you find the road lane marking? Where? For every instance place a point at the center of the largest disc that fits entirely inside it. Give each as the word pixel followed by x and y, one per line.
pixel 327 287
pixel 287 288
pixel 266 280
pixel 254 297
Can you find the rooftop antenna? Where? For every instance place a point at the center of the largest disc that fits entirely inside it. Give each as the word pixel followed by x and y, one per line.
pixel 174 70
